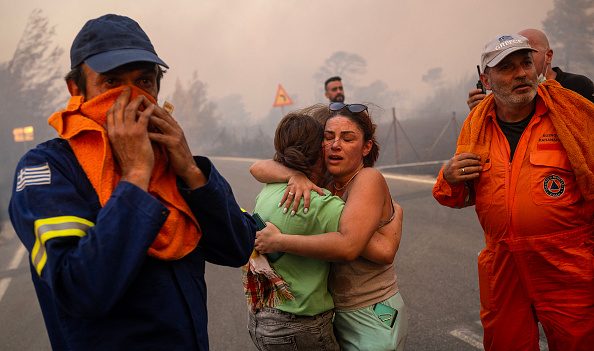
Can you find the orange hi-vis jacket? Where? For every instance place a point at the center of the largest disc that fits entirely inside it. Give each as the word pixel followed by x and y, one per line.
pixel 535 194
pixel 539 234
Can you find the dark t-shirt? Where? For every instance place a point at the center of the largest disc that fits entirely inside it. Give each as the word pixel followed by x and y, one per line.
pixel 576 82
pixel 513 131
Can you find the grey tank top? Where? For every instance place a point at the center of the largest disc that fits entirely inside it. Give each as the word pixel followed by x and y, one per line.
pixel 362 283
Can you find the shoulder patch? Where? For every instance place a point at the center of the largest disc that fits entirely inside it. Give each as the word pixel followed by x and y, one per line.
pixel 33 175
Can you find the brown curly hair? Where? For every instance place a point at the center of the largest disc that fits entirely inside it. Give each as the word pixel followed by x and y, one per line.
pixel 298 141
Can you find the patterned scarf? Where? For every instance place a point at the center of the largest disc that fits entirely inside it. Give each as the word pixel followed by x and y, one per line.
pixel 263 287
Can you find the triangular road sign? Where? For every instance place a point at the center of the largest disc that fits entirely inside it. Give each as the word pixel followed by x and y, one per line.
pixel 282 98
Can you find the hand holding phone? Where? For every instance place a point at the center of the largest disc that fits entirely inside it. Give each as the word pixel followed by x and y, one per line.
pixel 260 224
pixel 479 84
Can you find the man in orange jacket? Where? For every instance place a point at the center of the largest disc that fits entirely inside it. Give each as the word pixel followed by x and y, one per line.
pixel 525 159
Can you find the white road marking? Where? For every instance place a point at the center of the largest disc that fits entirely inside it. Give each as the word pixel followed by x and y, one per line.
pixel 417 179
pixel 14 264
pixel 468 337
pixel 17 258
pixel 413 164
pixel 4 283
pixel 237 159
pixel 408 178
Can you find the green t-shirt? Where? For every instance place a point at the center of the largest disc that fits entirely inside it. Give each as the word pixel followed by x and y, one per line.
pixel 307 277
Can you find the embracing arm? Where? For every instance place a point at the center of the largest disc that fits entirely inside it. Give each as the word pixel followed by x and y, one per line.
pixel 270 171
pixel 384 243
pixel 359 220
pixel 298 185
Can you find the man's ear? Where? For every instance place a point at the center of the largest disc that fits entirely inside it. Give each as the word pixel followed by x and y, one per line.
pixel 327 95
pixel 73 88
pixel 549 56
pixel 485 81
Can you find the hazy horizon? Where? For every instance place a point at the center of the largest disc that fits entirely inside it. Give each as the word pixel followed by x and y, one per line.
pixel 249 47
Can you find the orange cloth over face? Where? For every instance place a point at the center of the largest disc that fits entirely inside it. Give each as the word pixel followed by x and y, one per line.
pixel 82 124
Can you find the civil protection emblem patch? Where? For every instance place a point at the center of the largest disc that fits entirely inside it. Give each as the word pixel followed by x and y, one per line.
pixel 554 186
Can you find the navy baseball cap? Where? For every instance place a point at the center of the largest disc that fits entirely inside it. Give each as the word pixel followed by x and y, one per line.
pixel 111 41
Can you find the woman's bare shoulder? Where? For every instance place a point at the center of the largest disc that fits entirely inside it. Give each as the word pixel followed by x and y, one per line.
pixel 370 174
pixel 370 179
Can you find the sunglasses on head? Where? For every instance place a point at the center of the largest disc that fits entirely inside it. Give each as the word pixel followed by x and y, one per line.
pixel 354 108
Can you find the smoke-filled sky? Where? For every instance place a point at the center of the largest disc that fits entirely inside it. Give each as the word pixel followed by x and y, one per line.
pixel 247 47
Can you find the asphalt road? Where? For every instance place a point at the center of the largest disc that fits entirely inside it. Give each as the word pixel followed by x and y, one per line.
pixel 436 267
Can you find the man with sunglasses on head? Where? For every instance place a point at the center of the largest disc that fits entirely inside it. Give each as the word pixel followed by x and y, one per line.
pixel 525 159
pixel 118 216
pixel 334 89
pixel 543 59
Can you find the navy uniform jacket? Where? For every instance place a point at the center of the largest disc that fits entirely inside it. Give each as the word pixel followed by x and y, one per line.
pixel 97 287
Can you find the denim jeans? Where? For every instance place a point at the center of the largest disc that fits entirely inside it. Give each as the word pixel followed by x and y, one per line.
pixel 273 329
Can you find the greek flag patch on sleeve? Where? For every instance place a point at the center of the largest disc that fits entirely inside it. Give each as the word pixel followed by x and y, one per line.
pixel 34 175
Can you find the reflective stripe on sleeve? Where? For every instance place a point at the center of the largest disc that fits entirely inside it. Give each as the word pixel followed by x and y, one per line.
pixel 55 227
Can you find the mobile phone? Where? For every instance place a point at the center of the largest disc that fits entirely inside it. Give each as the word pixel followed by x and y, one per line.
pixel 260 224
pixel 479 84
pixel 385 313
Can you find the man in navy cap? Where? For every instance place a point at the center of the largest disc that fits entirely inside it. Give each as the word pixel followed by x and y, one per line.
pixel 118 216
